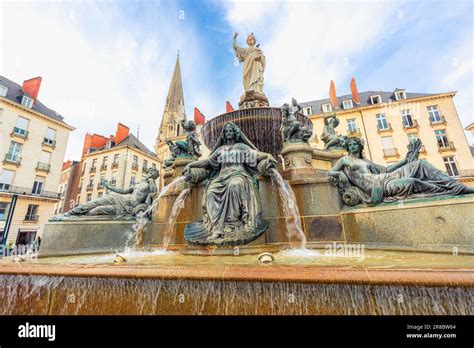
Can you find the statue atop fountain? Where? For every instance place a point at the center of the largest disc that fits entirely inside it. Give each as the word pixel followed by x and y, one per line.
pixel 253 69
pixel 190 148
pixel 331 140
pixel 232 213
pixel 121 204
pixel 362 181
pixel 292 129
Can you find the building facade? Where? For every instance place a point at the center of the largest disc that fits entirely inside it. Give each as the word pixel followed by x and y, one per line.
pixel 388 120
pixel 122 160
pixel 68 184
pixel 32 146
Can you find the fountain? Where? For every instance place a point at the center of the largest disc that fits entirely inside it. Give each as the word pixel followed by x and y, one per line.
pixel 328 242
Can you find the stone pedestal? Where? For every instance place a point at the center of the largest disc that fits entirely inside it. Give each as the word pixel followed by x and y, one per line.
pixel 297 161
pixel 253 99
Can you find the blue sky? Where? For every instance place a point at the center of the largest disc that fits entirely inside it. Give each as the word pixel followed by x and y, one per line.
pixel 108 61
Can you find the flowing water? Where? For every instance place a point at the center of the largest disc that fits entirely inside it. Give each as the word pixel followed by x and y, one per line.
pixel 135 238
pixel 170 225
pixel 294 231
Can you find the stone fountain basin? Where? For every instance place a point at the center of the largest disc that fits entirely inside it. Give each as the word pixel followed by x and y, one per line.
pixel 260 125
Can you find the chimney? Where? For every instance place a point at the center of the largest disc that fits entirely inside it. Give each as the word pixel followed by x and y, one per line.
pixel 122 133
pixel 32 87
pixel 87 144
pixel 228 107
pixel 199 118
pixel 332 95
pixel 354 92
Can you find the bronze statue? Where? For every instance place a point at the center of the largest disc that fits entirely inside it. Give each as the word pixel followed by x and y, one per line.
pixel 329 137
pixel 189 148
pixel 362 181
pixel 291 129
pixel 126 203
pixel 232 213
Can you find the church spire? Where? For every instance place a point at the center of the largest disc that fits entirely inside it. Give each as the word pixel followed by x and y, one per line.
pixel 174 108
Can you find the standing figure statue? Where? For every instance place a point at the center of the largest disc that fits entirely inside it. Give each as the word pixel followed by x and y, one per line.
pixel 329 137
pixel 362 181
pixel 253 69
pixel 122 204
pixel 293 130
pixel 191 147
pixel 232 213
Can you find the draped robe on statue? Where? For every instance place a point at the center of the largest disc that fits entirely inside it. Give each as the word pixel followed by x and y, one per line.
pixel 253 69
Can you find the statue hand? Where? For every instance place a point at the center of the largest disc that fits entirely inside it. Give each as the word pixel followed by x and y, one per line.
pixel 343 180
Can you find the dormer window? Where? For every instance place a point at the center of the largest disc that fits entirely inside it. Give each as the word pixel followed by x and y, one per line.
pixel 3 91
pixel 307 110
pixel 27 101
pixel 400 95
pixel 326 107
pixel 347 104
pixel 375 99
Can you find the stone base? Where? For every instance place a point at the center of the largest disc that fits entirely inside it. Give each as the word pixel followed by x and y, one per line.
pixel 80 237
pixel 444 224
pixel 253 99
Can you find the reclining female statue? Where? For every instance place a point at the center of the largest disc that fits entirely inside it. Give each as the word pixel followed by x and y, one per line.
pixel 232 213
pixel 125 203
pixel 362 181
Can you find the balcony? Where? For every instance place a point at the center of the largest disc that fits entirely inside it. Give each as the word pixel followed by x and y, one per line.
pixel 443 147
pixel 390 153
pixel 354 132
pixel 92 169
pixel 31 218
pixel 134 166
pixel 49 142
pixel 45 167
pixel 90 187
pixel 14 159
pixel 103 167
pixel 466 173
pixel 410 125
pixel 386 129
pixel 28 191
pixel 440 121
pixel 115 165
pixel 18 132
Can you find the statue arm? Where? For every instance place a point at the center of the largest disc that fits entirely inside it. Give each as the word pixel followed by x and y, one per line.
pixel 337 173
pixel 120 191
pixel 397 165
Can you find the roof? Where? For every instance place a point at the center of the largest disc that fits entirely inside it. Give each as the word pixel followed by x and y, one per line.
pixel 133 142
pixel 15 94
pixel 316 105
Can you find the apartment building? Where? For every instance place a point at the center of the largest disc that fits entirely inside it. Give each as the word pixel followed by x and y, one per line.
pixel 32 146
pixel 68 184
pixel 387 120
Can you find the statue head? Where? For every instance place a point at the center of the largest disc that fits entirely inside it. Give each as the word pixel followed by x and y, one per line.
pixel 251 40
pixel 152 173
pixel 334 121
pixel 294 102
pixel 355 145
pixel 231 131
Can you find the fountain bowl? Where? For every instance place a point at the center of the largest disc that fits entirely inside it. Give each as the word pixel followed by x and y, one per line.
pixel 260 125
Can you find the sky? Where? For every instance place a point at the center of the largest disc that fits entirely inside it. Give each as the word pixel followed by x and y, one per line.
pixel 104 62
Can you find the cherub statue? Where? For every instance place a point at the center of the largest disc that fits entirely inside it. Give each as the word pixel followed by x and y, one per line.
pixel 292 130
pixel 329 137
pixel 188 148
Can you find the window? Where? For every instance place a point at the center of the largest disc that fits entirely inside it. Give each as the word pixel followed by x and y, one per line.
pixel 132 180
pixel 27 101
pixel 21 127
pixel 153 165
pixel 399 95
pixel 381 121
pixel 326 107
pixel 94 162
pixel 50 138
pixel 375 99
pixel 14 152
pixel 3 211
pixel 347 104
pixel 38 185
pixel 3 91
pixel 32 213
pixel 113 181
pixel 116 158
pixel 413 136
pixel 434 113
pixel 6 179
pixel 104 160
pixel 351 125
pixel 45 157
pixel 25 237
pixel 387 143
pixel 100 194
pixel 89 197
pixel 145 165
pixel 442 138
pixel 307 110
pixel 407 119
pixel 451 166
pixel 135 161
pixel 102 180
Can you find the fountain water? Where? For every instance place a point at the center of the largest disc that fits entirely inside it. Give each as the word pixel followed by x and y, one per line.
pixel 170 226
